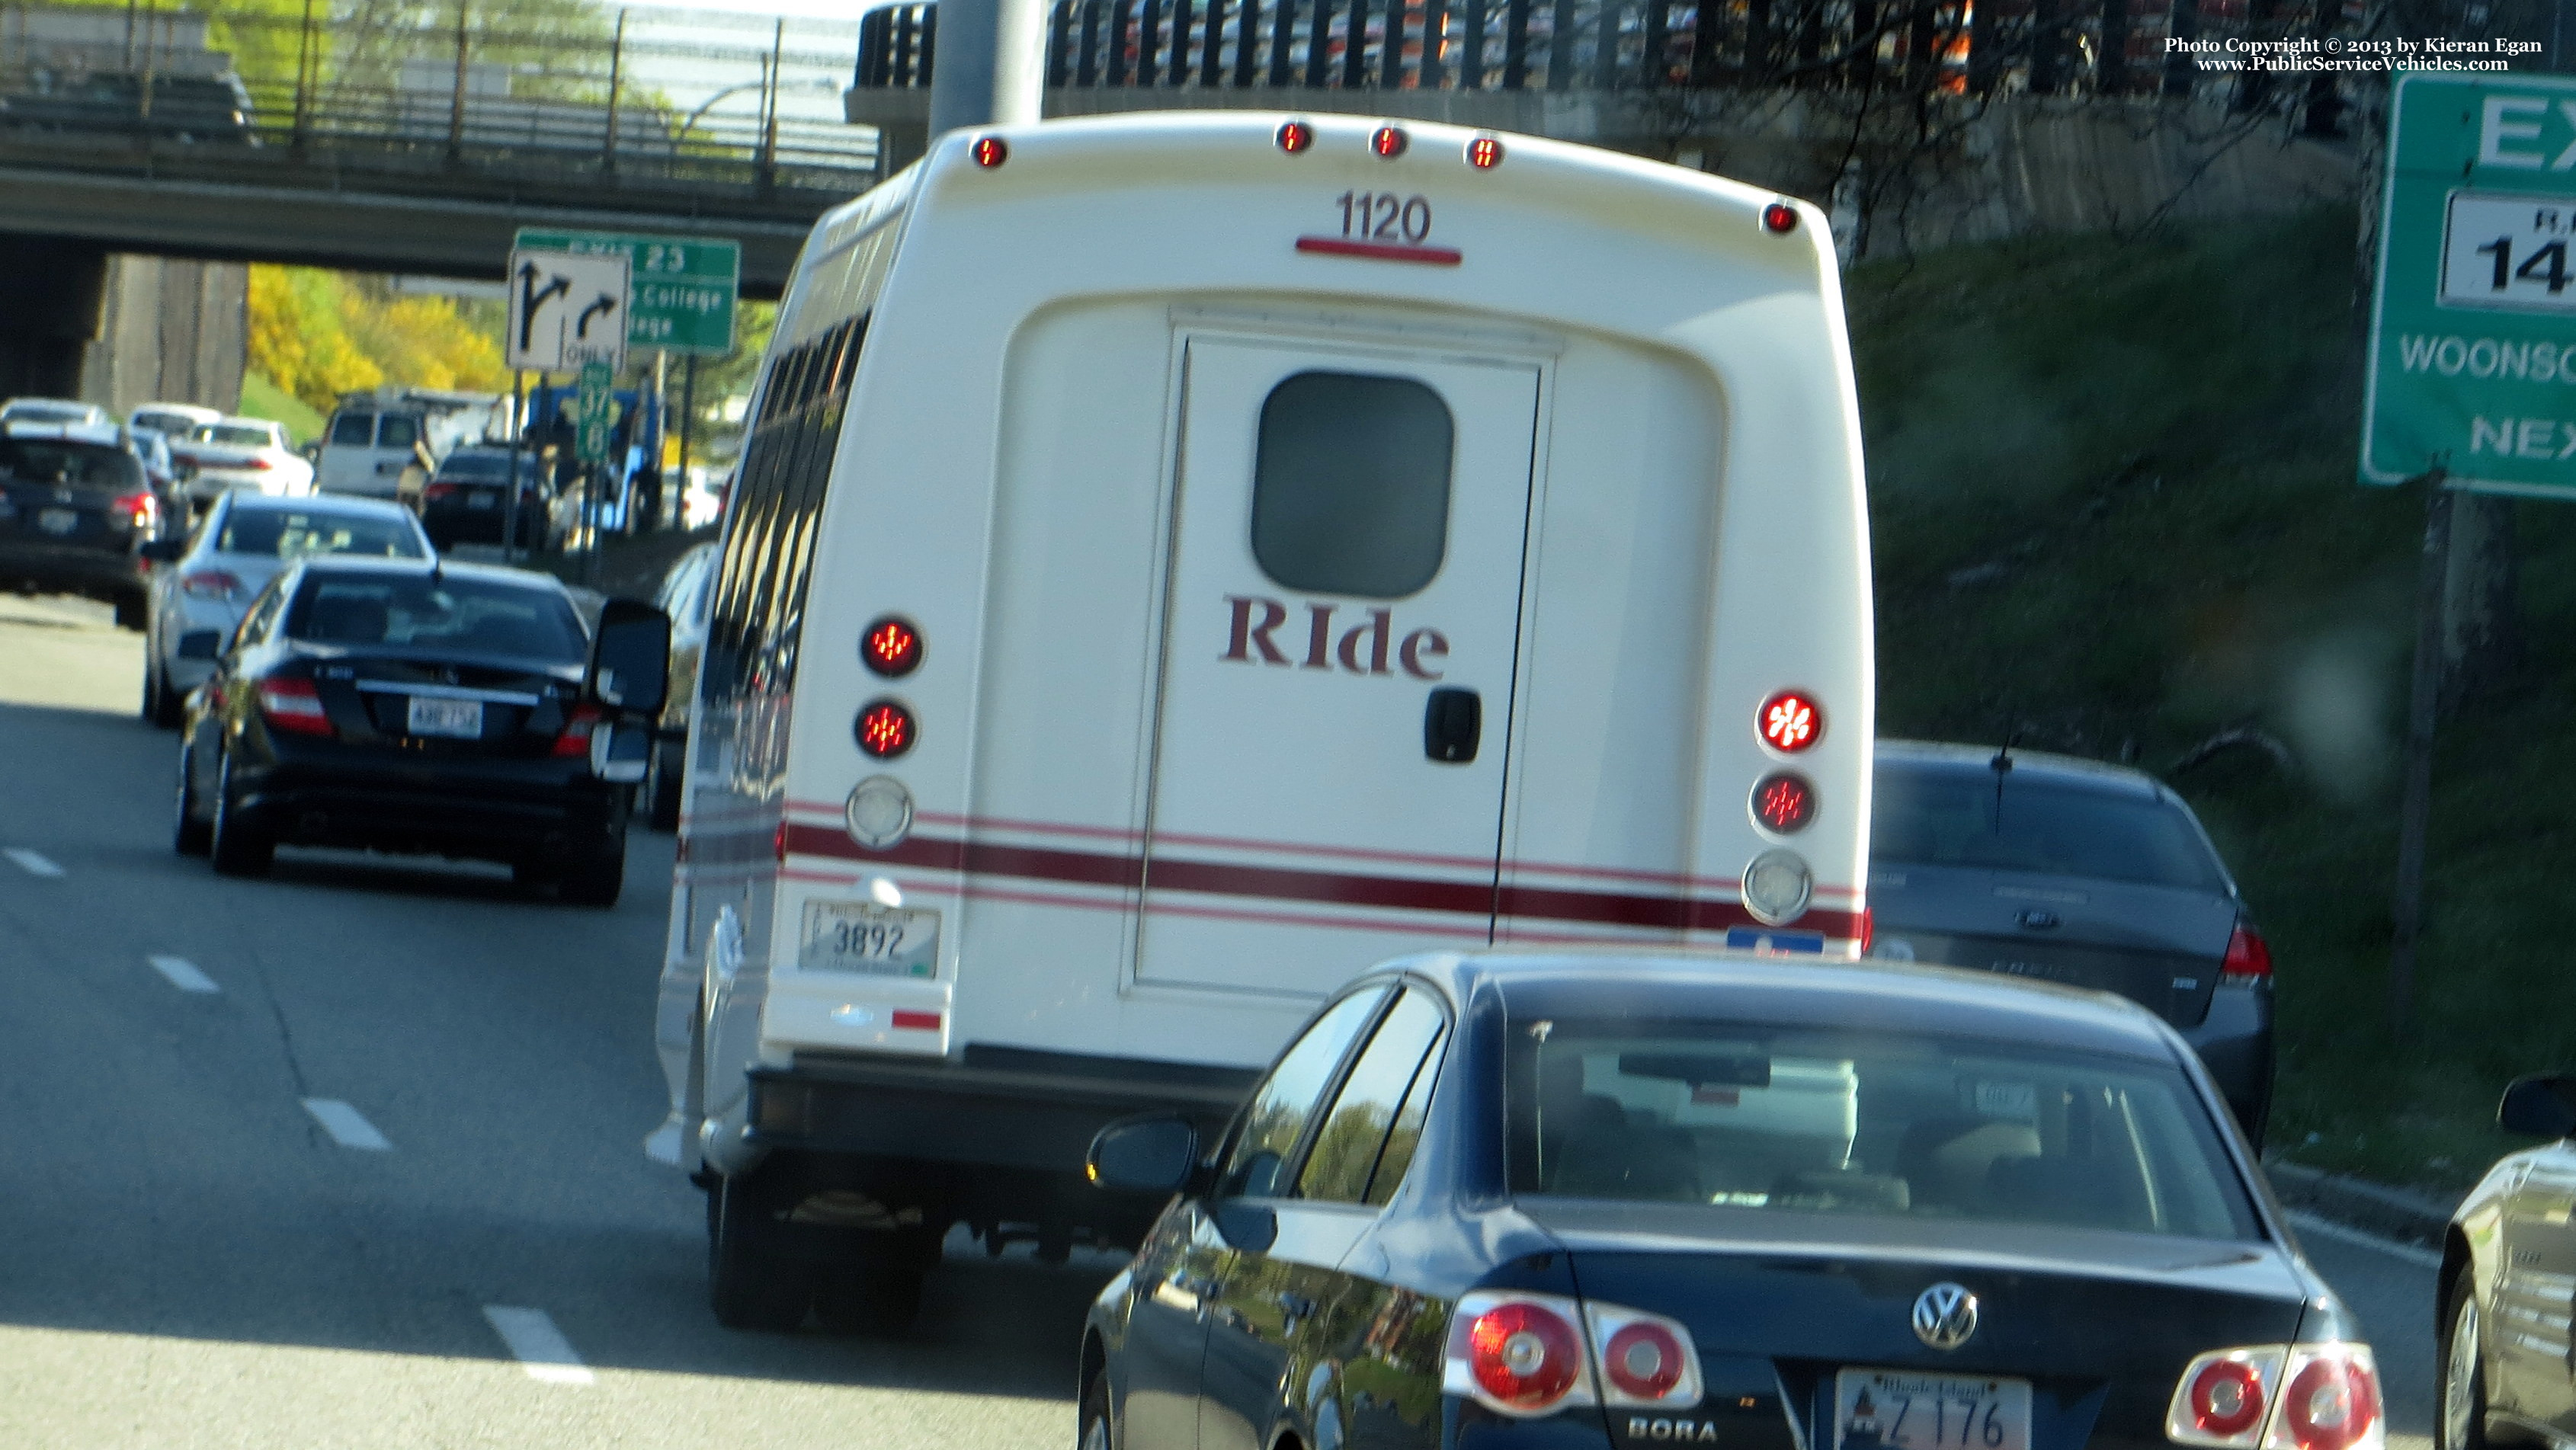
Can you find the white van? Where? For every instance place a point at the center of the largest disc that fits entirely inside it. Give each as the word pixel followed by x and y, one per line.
pixel 370 445
pixel 1181 560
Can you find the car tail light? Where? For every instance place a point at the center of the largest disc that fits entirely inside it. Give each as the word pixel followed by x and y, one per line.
pixel 2280 1397
pixel 2331 1402
pixel 259 461
pixel 136 510
pixel 574 742
pixel 2248 960
pixel 437 491
pixel 1517 1354
pixel 293 705
pixel 210 584
pixel 1646 1360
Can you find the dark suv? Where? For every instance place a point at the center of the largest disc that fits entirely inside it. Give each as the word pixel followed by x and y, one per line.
pixel 75 511
pixel 2072 871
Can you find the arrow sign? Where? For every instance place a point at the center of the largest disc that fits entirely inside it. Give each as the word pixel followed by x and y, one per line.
pixel 549 329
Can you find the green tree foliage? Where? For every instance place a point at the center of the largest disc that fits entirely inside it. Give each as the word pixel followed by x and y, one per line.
pixel 319 334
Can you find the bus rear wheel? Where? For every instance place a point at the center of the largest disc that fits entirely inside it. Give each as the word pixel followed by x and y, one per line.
pixel 751 1284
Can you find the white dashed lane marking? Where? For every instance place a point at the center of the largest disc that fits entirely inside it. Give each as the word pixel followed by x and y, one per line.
pixel 346 1125
pixel 183 974
pixel 540 1347
pixel 32 862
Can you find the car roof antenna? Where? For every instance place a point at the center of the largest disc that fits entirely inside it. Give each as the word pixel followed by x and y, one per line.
pixel 2002 766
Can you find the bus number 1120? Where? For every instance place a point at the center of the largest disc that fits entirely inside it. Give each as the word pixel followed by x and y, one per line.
pixel 1382 216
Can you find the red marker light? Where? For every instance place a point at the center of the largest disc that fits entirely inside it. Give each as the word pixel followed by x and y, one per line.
pixel 1296 136
pixel 1485 153
pixel 891 647
pixel 1389 142
pixel 1784 803
pixel 1779 218
pixel 991 151
pixel 885 729
pixel 1790 722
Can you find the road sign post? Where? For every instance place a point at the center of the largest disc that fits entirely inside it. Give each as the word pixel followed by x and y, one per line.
pixel 2471 375
pixel 682 289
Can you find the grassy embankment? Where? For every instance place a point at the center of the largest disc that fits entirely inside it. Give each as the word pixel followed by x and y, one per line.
pixel 261 398
pixel 2113 498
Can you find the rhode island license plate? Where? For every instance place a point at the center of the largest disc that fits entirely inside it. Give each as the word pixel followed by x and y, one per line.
pixel 1886 1409
pixel 457 719
pixel 861 936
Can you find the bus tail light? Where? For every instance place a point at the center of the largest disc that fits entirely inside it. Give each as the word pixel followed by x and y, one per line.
pixel 1517 1354
pixel 885 729
pixel 1790 721
pixel 1784 802
pixel 891 647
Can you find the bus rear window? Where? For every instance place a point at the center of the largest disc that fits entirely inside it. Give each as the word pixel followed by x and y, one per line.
pixel 1350 488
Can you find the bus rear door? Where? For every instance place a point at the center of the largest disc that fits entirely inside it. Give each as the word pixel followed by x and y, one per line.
pixel 1339 645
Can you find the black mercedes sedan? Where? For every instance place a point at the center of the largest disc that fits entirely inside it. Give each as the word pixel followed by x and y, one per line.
pixel 1611 1202
pixel 414 706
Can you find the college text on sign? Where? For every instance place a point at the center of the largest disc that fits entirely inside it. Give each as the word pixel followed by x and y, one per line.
pixel 2472 364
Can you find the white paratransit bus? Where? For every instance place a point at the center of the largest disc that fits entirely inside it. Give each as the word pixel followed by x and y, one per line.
pixel 1180 560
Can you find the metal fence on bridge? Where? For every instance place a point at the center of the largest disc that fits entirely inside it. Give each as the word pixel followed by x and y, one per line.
pixel 520 93
pixel 1967 47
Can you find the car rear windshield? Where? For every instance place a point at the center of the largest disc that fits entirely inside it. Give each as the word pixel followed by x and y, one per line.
pixel 49 460
pixel 479 465
pixel 296 533
pixel 1943 819
pixel 1746 1116
pixel 473 616
pixel 235 437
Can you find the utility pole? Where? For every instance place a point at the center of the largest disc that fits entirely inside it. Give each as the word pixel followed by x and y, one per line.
pixel 991 65
pixel 2414 817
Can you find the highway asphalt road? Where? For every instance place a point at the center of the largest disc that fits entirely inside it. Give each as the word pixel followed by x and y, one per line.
pixel 350 1157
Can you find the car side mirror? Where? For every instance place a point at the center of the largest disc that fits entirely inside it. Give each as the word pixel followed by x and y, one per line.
pixel 2543 1106
pixel 1158 1154
pixel 630 658
pixel 163 551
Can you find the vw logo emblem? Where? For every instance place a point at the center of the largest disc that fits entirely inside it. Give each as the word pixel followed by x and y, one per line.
pixel 1945 1315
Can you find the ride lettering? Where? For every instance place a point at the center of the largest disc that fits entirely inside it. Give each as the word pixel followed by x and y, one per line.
pixel 1369 647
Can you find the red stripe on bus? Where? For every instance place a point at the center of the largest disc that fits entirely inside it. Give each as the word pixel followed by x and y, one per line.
pixel 1343 888
pixel 1381 252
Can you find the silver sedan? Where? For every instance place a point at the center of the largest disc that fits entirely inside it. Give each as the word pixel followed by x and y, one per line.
pixel 210 578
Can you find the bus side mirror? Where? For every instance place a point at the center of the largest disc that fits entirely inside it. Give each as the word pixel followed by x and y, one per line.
pixel 630 658
pixel 1144 1155
pixel 2539 1106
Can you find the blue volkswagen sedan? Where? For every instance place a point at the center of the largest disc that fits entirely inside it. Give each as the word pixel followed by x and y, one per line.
pixel 1578 1203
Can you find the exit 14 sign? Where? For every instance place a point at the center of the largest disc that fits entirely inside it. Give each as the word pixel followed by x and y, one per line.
pixel 2472 364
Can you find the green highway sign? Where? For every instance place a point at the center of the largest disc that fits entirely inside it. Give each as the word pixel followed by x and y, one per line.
pixel 680 290
pixel 2472 363
pixel 594 410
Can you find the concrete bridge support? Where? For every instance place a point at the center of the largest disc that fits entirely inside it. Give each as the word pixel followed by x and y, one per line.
pixel 169 329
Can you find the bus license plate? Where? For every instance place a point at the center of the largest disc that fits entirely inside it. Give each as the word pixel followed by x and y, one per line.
pixel 1886 1409
pixel 861 936
pixel 456 719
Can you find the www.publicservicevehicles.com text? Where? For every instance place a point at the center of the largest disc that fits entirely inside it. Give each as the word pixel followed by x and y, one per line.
pixel 2339 53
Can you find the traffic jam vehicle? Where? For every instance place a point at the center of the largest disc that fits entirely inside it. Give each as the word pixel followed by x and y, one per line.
pixel 1290 566
pixel 76 510
pixel 2077 872
pixel 216 571
pixel 2503 1313
pixel 241 453
pixel 1619 1202
pixel 447 709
